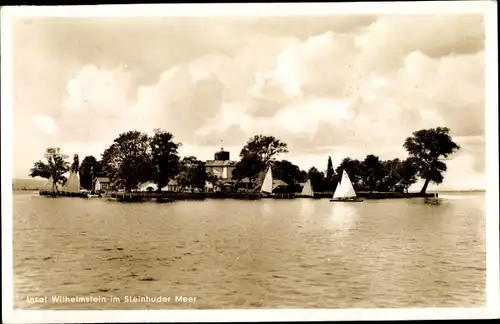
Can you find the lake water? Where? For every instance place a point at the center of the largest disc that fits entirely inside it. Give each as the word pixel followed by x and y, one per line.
pixel 267 253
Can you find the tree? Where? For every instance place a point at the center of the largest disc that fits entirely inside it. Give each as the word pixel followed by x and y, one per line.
pixel 330 174
pixel 128 160
pixel 265 147
pixel 354 168
pixel 407 171
pixel 427 146
pixel 89 169
pixel 372 172
pixel 391 178
pixel 317 179
pixel 55 167
pixel 329 169
pixel 287 172
pixel 165 157
pixel 303 176
pixel 192 173
pixel 250 166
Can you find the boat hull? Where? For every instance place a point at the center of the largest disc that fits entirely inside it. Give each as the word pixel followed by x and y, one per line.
pixel 346 200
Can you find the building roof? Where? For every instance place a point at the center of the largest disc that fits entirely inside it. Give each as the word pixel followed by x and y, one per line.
pixel 102 179
pixel 279 183
pixel 147 183
pixel 219 163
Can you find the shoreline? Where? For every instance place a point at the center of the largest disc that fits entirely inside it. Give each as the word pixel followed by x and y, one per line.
pixel 175 196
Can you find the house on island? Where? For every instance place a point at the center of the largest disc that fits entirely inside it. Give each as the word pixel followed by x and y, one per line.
pixel 280 186
pixel 147 186
pixel 244 184
pixel 221 166
pixel 172 186
pixel 102 184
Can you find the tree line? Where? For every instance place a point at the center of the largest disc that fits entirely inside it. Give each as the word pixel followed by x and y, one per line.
pixel 135 157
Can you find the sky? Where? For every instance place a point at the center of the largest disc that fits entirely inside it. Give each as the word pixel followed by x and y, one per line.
pixel 335 85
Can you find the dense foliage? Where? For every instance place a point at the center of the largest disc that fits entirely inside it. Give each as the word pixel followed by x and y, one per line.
pixel 134 158
pixel 90 168
pixel 264 147
pixel 55 167
pixel 128 161
pixel 192 174
pixel 164 156
pixel 427 147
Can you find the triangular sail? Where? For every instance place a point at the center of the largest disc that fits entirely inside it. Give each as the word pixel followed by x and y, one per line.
pixel 307 190
pixel 267 185
pixel 49 185
pixel 344 188
pixel 73 183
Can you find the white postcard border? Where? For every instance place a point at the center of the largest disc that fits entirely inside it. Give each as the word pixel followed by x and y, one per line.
pixel 488 8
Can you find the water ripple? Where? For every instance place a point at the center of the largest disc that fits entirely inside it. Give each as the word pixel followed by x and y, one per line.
pixel 251 254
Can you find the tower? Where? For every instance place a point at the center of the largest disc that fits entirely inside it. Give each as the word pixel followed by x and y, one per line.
pixel 222 155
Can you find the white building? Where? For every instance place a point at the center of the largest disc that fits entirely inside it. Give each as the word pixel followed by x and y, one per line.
pixel 221 166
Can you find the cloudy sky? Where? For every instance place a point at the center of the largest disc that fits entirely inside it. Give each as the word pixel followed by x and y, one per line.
pixel 339 85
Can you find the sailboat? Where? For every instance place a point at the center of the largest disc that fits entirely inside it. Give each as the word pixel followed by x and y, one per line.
pixel 345 190
pixel 307 190
pixel 49 185
pixel 73 183
pixel 267 184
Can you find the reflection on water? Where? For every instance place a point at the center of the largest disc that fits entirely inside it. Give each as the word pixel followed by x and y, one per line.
pixel 249 254
pixel 307 207
pixel 343 217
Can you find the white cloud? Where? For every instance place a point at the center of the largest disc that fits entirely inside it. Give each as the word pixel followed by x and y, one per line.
pixel 99 88
pixel 182 101
pixel 387 41
pixel 102 103
pixel 45 124
pixel 355 87
pixel 459 176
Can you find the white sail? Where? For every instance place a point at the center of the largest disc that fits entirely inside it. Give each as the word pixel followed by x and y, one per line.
pixel 49 185
pixel 344 188
pixel 73 183
pixel 267 185
pixel 307 190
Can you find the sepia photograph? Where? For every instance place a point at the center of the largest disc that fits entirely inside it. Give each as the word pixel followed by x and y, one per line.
pixel 254 159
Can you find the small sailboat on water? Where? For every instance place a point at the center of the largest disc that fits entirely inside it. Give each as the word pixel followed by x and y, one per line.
pixel 345 191
pixel 307 190
pixel 72 185
pixel 49 185
pixel 267 185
